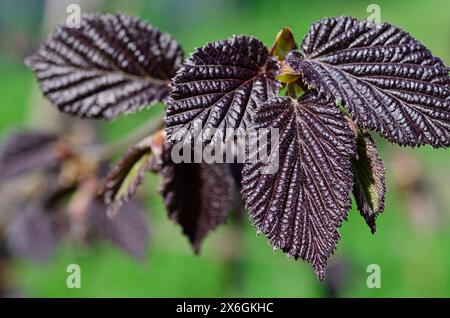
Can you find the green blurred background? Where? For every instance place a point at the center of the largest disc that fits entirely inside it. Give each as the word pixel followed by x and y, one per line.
pixel 412 244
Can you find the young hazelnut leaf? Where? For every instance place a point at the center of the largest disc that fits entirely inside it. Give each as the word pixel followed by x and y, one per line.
pixel 369 180
pixel 301 206
pixel 196 195
pixel 31 151
pixel 127 230
pixel 111 64
pixel 284 43
pixel 387 80
pixel 219 87
pixel 127 174
pixel 287 75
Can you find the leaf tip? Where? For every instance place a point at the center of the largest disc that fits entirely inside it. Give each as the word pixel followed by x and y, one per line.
pixel 320 272
pixel 284 43
pixel 196 247
pixel 372 224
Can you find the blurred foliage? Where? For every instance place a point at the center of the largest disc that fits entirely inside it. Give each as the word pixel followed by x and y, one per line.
pixel 410 246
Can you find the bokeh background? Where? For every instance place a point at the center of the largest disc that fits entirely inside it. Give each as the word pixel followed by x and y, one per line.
pixel 411 246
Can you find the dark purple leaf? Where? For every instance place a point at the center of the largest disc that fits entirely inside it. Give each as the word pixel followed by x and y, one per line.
pixel 388 81
pixel 112 64
pixel 196 195
pixel 127 230
pixel 219 87
pixel 236 172
pixel 301 206
pixel 34 233
pixel 369 175
pixel 30 151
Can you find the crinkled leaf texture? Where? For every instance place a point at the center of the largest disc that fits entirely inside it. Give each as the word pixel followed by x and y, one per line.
pixel 196 195
pixel 30 151
pixel 127 230
pixel 369 175
pixel 112 64
pixel 301 206
pixel 387 80
pixel 219 87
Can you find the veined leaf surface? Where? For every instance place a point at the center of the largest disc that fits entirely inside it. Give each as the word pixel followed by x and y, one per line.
pixel 219 87
pixel 112 64
pixel 386 79
pixel 301 206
